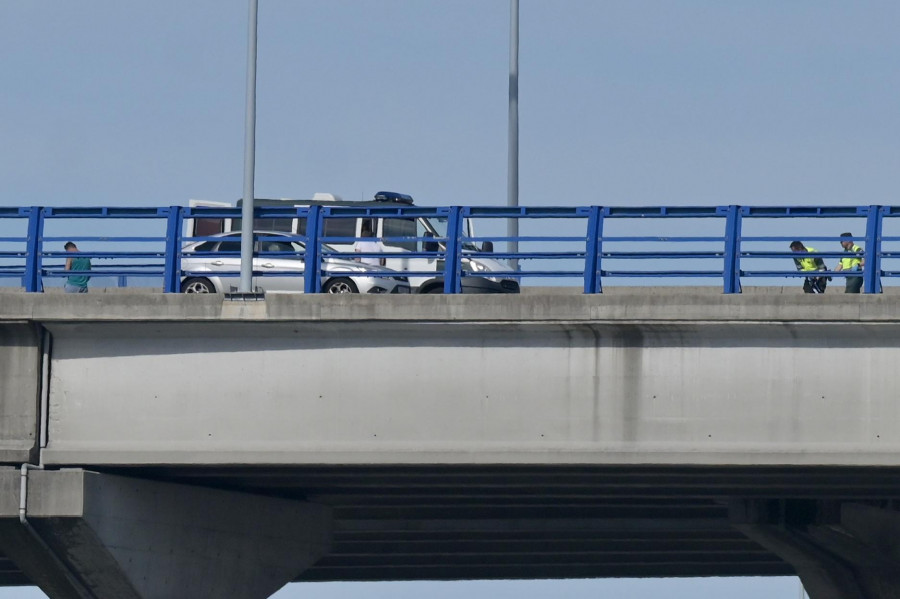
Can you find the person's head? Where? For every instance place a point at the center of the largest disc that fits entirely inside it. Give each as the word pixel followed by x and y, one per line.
pixel 796 246
pixel 71 247
pixel 846 240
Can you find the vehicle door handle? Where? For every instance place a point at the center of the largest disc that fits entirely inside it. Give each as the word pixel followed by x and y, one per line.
pixel 268 265
pixel 217 263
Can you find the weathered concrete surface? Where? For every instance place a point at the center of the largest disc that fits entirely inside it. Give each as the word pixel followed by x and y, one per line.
pixel 458 392
pixel 632 304
pixel 121 537
pixel 639 378
pixel 20 388
pixel 434 425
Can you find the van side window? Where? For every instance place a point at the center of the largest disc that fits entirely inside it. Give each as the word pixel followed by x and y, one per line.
pixel 264 224
pixel 400 227
pixel 272 224
pixel 340 227
pixel 204 227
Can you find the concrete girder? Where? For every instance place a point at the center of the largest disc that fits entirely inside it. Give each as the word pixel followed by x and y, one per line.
pixel 96 535
pixel 843 551
pixel 607 393
pixel 20 388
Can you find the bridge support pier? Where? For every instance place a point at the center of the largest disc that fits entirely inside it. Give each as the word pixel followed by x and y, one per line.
pixel 90 535
pixel 839 550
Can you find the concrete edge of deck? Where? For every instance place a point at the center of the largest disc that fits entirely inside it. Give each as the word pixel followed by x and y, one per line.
pixel 663 304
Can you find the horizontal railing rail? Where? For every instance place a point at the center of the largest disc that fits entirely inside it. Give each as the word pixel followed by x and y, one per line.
pixel 593 244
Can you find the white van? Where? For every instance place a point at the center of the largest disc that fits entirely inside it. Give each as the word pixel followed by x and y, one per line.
pixel 384 228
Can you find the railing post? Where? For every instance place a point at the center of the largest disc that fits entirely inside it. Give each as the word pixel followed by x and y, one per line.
pixel 592 251
pixel 312 271
pixel 872 267
pixel 172 271
pixel 732 267
pixel 453 261
pixel 34 247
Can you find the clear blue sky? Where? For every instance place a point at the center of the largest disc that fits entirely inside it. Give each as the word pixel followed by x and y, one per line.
pixel 622 102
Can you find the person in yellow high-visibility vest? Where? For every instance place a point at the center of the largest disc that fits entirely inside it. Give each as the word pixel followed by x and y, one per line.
pixel 853 261
pixel 811 264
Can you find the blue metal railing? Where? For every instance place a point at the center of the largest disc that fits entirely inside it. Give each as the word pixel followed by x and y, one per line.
pixel 579 248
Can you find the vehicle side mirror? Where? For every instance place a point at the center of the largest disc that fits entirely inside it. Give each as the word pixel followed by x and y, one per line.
pixel 487 246
pixel 429 246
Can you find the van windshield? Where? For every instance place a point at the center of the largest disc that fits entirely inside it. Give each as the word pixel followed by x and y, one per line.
pixel 438 226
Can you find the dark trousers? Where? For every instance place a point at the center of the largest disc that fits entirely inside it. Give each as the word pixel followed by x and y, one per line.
pixel 854 284
pixel 814 284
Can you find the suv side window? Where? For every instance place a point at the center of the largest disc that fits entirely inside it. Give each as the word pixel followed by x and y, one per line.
pixel 277 246
pixel 229 246
pixel 206 246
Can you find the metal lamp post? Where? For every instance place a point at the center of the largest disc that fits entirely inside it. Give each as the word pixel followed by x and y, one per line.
pixel 249 157
pixel 512 199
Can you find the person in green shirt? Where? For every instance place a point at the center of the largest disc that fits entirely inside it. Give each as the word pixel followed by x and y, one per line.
pixel 853 261
pixel 77 283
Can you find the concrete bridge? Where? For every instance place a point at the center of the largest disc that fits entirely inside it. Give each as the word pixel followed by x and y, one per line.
pixel 184 446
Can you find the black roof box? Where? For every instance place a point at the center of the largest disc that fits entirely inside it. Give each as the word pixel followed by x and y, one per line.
pixel 393 196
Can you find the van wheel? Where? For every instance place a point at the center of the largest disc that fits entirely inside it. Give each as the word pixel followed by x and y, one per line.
pixel 197 286
pixel 435 289
pixel 341 285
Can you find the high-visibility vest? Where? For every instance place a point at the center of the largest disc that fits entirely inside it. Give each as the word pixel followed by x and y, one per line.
pixel 808 263
pixel 853 261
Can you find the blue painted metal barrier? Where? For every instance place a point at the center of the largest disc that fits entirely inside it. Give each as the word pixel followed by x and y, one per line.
pixel 568 242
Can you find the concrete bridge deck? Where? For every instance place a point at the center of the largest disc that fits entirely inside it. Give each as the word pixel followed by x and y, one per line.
pixel 642 432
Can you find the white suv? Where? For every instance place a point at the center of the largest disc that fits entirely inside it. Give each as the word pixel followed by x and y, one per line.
pixel 277 267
